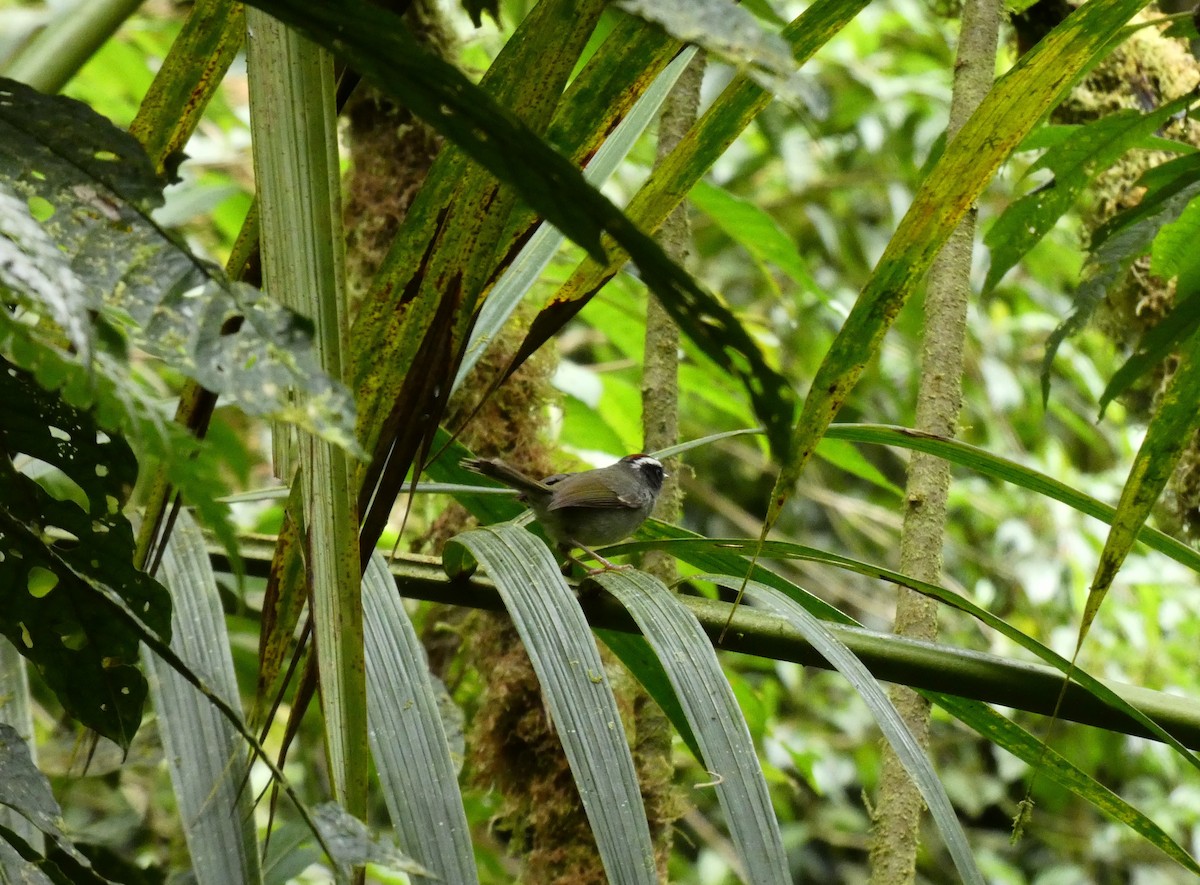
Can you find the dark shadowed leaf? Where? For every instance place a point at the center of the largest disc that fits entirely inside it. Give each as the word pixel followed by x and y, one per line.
pixel 60 558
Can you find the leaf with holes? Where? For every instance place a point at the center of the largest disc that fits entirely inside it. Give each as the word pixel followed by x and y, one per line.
pixel 65 557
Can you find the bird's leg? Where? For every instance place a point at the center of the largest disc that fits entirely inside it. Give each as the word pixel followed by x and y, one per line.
pixel 607 566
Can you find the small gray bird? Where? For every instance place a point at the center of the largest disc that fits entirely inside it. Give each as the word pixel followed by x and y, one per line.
pixel 586 509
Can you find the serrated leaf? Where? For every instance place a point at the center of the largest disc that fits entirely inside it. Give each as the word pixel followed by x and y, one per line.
pixel 99 187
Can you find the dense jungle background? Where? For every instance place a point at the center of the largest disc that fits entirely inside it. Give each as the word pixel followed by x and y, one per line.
pixel 905 295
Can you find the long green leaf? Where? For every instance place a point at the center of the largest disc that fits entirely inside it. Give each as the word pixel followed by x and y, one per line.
pixel 189 76
pixel 715 719
pixel 205 754
pixel 1016 740
pixel 379 46
pixel 997 467
pixel 411 330
pixel 408 737
pixel 1169 432
pixel 684 547
pixel 725 559
pixel 577 692
pixel 675 176
pixel 910 753
pixel 56 54
pixel 975 714
pixel 297 170
pixel 515 283
pixel 1014 105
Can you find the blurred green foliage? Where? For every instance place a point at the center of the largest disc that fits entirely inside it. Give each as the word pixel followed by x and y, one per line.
pixel 832 189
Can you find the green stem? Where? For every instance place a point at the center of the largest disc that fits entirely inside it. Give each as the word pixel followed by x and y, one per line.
pixel 55 55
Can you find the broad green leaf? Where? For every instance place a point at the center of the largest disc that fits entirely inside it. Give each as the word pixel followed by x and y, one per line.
pixel 754 229
pixel 289 854
pixel 1007 114
pixel 576 689
pixel 60 559
pixel 1074 162
pixel 121 405
pixel 716 721
pixel 1163 184
pixel 99 187
pixel 1174 249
